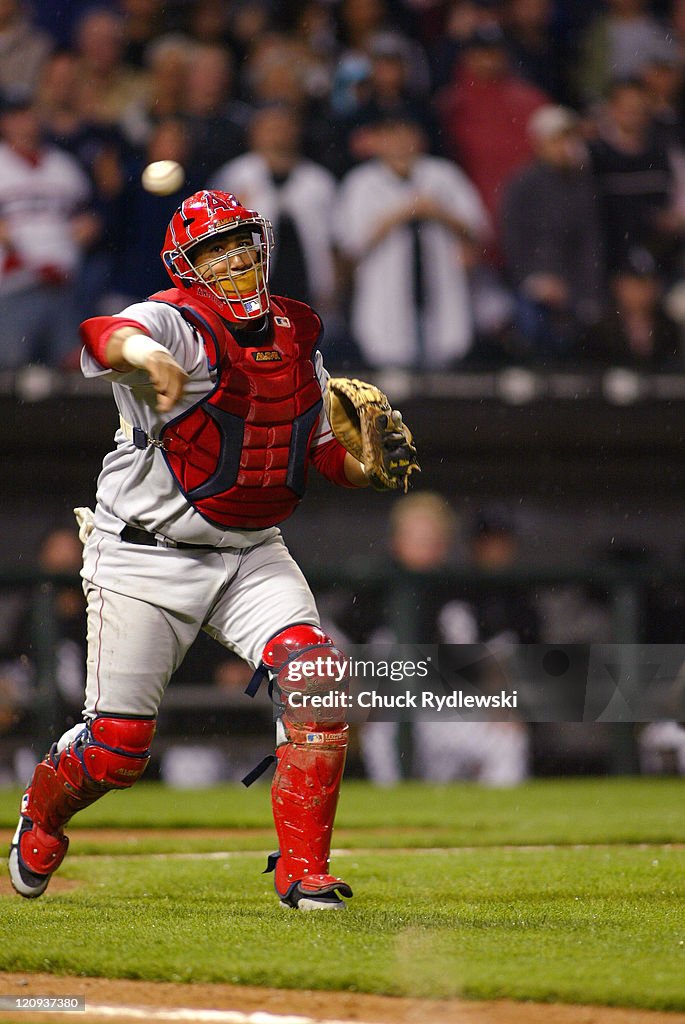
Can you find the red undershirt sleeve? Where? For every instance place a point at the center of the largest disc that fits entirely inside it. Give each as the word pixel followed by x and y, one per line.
pixel 96 332
pixel 329 460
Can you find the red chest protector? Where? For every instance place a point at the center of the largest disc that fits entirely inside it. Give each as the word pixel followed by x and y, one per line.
pixel 240 454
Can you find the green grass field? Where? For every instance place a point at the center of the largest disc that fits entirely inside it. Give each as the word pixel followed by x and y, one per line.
pixel 568 890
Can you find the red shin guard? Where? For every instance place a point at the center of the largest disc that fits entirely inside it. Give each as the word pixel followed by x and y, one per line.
pixel 304 797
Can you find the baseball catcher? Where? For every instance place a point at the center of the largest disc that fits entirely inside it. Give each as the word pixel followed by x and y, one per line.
pixel 224 404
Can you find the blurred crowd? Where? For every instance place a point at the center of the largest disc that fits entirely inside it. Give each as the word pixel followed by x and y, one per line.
pixel 453 183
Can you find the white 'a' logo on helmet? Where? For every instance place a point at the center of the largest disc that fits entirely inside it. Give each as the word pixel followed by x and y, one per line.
pixel 214 202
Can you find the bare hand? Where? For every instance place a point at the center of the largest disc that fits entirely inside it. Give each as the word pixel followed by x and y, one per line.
pixel 85 229
pixel 547 289
pixel 167 378
pixel 426 208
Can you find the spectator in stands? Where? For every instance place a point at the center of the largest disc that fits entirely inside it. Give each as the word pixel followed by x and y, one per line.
pixel 139 272
pixel 635 179
pixel 423 529
pixel 484 113
pixel 676 25
pixel 277 73
pixel 422 535
pixel 664 79
pixel 23 48
pixel 216 122
pixel 168 60
pixel 361 23
pixel 408 223
pixel 495 753
pixel 108 86
pixel 102 152
pixel 249 21
pixel 535 52
pixel 359 20
pixel 60 553
pixel 98 148
pixel 552 238
pixel 616 44
pixel 143 23
pixel 17 761
pixel 505 614
pixel 210 21
pixel 46 225
pixel 314 30
pixel 297 195
pixel 463 19
pixel 636 331
pixel 388 96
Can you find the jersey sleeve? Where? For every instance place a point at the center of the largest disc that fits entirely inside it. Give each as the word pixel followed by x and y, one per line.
pixel 323 432
pixel 163 323
pixel 326 452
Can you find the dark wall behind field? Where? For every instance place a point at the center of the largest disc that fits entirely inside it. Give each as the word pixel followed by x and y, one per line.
pixel 575 470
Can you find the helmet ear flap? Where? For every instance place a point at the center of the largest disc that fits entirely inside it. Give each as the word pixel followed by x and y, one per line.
pixel 172 268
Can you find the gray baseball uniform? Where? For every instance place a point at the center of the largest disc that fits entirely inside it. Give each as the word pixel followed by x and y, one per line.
pixel 146 605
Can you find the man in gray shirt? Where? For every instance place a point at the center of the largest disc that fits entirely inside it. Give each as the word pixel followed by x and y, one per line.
pixel 551 236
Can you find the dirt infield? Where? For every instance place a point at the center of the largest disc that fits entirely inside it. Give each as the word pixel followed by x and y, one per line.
pixel 318 1006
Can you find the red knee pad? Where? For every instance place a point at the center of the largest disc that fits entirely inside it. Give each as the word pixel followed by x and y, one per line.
pixel 110 753
pixel 119 750
pixel 291 642
pixel 311 676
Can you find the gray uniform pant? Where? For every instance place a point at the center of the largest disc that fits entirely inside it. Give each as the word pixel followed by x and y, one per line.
pixel 146 605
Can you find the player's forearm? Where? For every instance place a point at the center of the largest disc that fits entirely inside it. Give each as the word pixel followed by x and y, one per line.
pixel 129 347
pixel 103 337
pixel 114 349
pixel 354 471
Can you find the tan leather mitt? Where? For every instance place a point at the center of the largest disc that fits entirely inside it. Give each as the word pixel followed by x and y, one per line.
pixel 366 425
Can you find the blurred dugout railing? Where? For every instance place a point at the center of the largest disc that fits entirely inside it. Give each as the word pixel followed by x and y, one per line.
pixel 626 586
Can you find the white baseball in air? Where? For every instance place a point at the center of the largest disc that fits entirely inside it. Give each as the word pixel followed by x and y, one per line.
pixel 163 177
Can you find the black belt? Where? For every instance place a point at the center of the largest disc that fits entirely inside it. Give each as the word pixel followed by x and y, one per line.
pixel 133 535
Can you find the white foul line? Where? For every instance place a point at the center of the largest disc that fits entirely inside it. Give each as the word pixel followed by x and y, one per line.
pixel 210 1016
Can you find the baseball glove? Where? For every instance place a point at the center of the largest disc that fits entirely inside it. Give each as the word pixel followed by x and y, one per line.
pixel 364 422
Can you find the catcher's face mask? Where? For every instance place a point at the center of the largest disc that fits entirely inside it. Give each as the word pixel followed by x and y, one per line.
pixel 218 251
pixel 231 264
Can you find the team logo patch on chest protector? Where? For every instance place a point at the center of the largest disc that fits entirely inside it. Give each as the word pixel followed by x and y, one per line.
pixel 240 454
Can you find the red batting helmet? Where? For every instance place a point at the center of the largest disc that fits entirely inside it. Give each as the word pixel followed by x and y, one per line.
pixel 237 295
